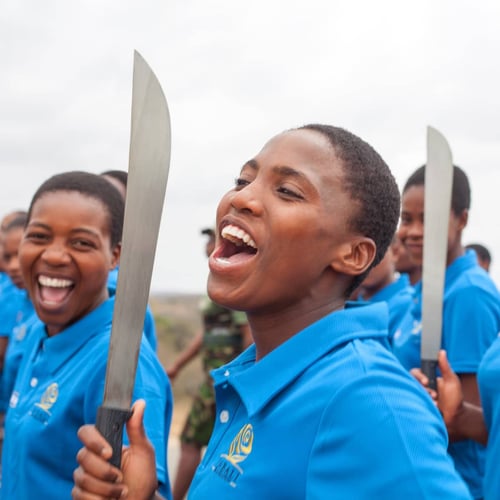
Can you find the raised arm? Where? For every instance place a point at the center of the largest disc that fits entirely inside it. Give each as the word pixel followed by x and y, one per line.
pixel 187 355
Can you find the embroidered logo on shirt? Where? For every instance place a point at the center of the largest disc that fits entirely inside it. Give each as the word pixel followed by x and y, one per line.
pixel 19 332
pixel 228 466
pixel 417 327
pixel 41 410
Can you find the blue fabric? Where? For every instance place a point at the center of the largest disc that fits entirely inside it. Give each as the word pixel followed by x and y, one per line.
pixel 13 356
pixel 471 321
pixel 5 281
pixel 399 298
pixel 489 386
pixel 59 387
pixel 330 413
pixel 13 308
pixel 16 310
pixel 149 321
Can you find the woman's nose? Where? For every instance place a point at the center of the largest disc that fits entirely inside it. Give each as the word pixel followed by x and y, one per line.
pixel 248 198
pixel 55 254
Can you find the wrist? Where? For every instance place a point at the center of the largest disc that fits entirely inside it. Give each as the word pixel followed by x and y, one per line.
pixel 455 420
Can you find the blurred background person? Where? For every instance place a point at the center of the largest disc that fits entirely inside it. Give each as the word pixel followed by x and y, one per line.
pixel 483 255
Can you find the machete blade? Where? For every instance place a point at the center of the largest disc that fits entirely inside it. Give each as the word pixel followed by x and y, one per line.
pixel 149 160
pixel 437 206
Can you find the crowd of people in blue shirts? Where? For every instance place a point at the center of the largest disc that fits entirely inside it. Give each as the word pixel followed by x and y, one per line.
pixel 324 253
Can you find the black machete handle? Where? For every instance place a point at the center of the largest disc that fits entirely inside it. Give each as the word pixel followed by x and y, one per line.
pixel 109 423
pixel 429 368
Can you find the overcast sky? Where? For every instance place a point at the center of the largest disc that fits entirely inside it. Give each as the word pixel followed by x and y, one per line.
pixel 236 73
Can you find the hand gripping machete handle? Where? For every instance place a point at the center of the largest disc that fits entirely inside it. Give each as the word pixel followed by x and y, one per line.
pixel 110 422
pixel 429 368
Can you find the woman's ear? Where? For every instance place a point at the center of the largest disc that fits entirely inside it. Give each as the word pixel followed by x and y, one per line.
pixel 355 257
pixel 463 218
pixel 115 255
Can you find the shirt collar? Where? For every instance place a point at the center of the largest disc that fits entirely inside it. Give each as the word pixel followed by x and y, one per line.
pixel 59 348
pixel 280 367
pixel 403 282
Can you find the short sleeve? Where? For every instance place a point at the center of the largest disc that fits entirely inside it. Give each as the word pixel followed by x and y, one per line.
pixel 470 325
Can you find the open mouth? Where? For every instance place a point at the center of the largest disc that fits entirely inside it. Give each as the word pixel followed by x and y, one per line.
pixel 53 291
pixel 235 242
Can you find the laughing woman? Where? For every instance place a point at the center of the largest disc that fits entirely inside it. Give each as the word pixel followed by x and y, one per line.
pixel 71 241
pixel 318 407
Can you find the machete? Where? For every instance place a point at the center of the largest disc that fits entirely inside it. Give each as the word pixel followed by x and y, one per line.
pixel 437 206
pixel 149 160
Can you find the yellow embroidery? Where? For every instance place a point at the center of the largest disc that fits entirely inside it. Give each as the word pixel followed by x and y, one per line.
pixel 49 397
pixel 240 447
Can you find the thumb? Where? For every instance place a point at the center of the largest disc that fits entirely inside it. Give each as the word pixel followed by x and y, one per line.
pixel 444 365
pixel 135 425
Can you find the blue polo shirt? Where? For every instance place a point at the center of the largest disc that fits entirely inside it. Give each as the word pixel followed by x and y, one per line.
pixel 398 296
pixel 489 383
pixel 13 356
pixel 5 281
pixel 14 308
pixel 471 322
pixel 149 321
pixel 330 413
pixel 59 387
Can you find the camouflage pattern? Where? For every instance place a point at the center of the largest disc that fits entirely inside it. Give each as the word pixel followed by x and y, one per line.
pixel 222 342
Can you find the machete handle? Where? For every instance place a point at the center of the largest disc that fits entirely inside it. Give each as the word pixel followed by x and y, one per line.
pixel 109 423
pixel 429 368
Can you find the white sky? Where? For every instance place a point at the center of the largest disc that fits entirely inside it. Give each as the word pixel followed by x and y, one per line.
pixel 236 73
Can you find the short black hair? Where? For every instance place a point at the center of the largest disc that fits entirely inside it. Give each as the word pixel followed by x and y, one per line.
pixel 369 181
pixel 90 185
pixel 20 220
pixel 209 232
pixel 482 252
pixel 11 216
pixel 460 191
pixel 119 175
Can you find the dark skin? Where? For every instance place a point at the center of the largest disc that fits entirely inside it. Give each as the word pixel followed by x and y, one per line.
pixel 75 249
pixel 411 234
pixel 463 419
pixel 285 286
pixel 380 276
pixel 289 195
pixel 4 340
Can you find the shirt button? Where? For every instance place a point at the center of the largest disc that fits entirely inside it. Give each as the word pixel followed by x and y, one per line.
pixel 226 373
pixel 33 382
pixel 224 416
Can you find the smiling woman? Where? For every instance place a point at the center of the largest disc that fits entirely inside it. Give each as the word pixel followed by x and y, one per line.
pixel 309 409
pixel 71 242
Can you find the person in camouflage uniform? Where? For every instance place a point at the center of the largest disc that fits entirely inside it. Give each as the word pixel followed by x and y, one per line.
pixel 225 334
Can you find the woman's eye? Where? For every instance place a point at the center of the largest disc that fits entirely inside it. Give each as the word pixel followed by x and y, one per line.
pixel 239 182
pixel 36 236
pixel 84 244
pixel 290 192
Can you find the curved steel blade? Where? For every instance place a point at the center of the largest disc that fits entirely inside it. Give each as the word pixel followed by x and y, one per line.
pixel 149 161
pixel 438 186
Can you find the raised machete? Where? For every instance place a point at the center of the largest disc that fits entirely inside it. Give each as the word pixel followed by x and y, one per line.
pixel 437 206
pixel 149 160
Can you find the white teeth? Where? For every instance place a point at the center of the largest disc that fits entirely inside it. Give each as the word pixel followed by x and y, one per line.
pixel 54 282
pixel 237 236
